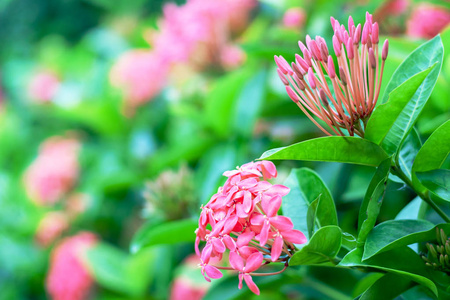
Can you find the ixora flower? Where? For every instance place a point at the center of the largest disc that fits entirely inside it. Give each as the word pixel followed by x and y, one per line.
pixel 343 100
pixel 242 217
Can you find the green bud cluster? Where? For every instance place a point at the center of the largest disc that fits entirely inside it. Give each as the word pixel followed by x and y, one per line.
pixel 438 256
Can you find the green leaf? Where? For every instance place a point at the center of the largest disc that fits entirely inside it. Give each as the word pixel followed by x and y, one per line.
pixel 407 154
pixel 437 181
pixel 165 233
pixel 306 186
pixel 117 271
pixel 370 207
pixel 398 233
pixel 433 152
pixel 311 216
pixel 322 248
pixel 351 150
pixel 412 210
pixel 385 115
pixel 387 287
pixel 401 261
pixel 421 59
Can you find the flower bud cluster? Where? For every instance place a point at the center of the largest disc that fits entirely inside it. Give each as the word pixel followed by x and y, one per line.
pixel 242 217
pixel 438 256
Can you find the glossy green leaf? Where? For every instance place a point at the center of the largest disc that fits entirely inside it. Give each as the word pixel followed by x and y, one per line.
pixel 407 154
pixel 387 287
pixel 120 272
pixel 437 181
pixel 385 115
pixel 311 216
pixel 370 207
pixel 351 150
pixel 412 210
pixel 433 152
pixel 306 186
pixel 322 248
pixel 421 59
pixel 401 261
pixel 165 233
pixel 398 233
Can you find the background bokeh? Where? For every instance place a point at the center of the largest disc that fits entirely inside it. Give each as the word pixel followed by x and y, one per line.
pixel 122 115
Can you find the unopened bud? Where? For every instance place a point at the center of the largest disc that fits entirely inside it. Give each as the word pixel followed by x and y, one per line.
pixel 307 58
pixel 375 33
pixel 311 79
pixel 369 18
pixel 283 79
pixel 280 65
pixel 350 48
pixel 442 260
pixel 331 70
pixel 301 46
pixel 350 22
pixel 365 34
pixel 297 70
pixel 339 35
pixel 332 21
pixel 323 97
pixel 373 62
pixel 336 46
pixel 431 250
pixel 294 97
pixel 444 237
pixel 342 75
pixel 299 83
pixel 324 51
pixel 447 248
pixel 302 63
pixel 385 50
pixel 315 50
pixel 357 34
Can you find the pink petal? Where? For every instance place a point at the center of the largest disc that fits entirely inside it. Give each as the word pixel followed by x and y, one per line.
pixel 253 262
pixel 197 243
pixel 268 169
pixel 240 211
pixel 206 253
pixel 248 203
pixel 245 238
pixel 236 261
pixel 276 248
pixel 246 251
pixel 230 223
pixel 251 285
pixel 229 243
pixel 295 236
pixel 278 189
pixel 282 223
pixel 257 219
pixel 263 236
pixel 271 206
pixel 218 245
pixel 213 272
pixel 241 276
pixel 204 275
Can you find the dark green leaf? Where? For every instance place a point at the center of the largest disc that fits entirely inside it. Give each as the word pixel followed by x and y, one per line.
pixel 306 186
pixel 433 152
pixel 412 210
pixel 311 216
pixel 398 233
pixel 165 233
pixel 421 59
pixel 335 148
pixel 407 154
pixel 387 287
pixel 370 207
pixel 322 248
pixel 401 261
pixel 385 115
pixel 437 181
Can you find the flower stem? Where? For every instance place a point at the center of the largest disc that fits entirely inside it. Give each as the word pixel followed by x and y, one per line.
pixel 425 197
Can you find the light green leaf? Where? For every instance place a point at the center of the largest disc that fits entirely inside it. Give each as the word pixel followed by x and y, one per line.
pixel 437 181
pixel 351 150
pixel 165 233
pixel 370 207
pixel 407 154
pixel 398 233
pixel 306 186
pixel 322 248
pixel 421 59
pixel 385 115
pixel 401 261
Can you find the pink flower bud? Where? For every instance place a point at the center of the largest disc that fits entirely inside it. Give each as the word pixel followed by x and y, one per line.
pixel 332 21
pixel 307 57
pixel 342 75
pixel 375 30
pixel 350 23
pixel 385 50
pixel 323 97
pixel 339 35
pixel 331 70
pixel 315 50
pixel 280 65
pixel 365 34
pixel 294 97
pixel 301 46
pixel 311 79
pixel 336 46
pixel 372 59
pixel 297 70
pixel 302 63
pixel 324 51
pixel 369 18
pixel 283 79
pixel 349 48
pixel 357 35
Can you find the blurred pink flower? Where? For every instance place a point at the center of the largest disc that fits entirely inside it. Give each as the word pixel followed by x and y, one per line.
pixel 294 18
pixel 54 172
pixel 51 226
pixel 427 20
pixel 232 56
pixel 68 277
pixel 242 217
pixel 141 74
pixel 43 86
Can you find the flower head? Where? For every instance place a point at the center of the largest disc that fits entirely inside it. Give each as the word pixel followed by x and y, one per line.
pixel 294 18
pixel 242 217
pixel 43 86
pixel 342 98
pixel 68 277
pixel 427 20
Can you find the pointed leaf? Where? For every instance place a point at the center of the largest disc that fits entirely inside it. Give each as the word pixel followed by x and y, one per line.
pixel 387 287
pixel 437 181
pixel 351 150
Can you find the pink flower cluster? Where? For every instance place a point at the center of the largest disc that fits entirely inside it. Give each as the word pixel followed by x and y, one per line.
pixel 198 33
pixel 68 277
pixel 243 218
pixel 294 18
pixel 54 171
pixel 427 20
